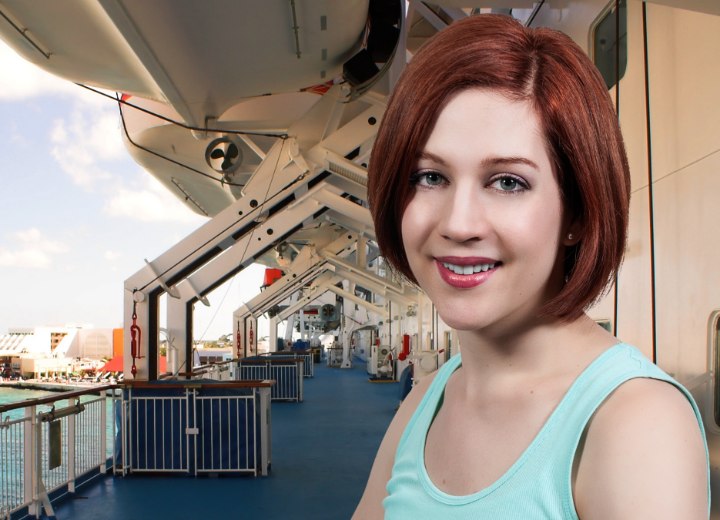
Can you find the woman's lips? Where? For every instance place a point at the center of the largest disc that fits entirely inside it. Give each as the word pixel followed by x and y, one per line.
pixel 466 272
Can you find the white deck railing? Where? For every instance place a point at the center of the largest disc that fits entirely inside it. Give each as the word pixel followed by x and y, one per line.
pixel 50 445
pixel 220 448
pixel 196 427
pixel 287 374
pixel 306 356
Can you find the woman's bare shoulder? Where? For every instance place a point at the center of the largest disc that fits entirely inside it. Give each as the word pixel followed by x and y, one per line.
pixel 643 456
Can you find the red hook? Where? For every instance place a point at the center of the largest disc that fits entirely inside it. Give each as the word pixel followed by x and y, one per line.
pixel 135 339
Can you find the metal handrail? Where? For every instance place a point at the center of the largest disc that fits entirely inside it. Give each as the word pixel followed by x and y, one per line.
pixel 28 446
pixel 199 370
pixel 257 383
pixel 57 397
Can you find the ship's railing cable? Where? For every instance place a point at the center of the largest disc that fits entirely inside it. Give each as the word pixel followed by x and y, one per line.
pixel 165 157
pixel 534 13
pixel 120 101
pixel 180 124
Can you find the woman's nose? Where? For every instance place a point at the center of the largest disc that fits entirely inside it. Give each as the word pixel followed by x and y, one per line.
pixel 464 218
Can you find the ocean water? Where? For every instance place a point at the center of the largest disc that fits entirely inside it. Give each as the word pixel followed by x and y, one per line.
pixel 10 395
pixel 14 395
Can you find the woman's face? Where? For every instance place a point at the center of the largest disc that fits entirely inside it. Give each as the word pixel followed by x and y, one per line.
pixel 484 226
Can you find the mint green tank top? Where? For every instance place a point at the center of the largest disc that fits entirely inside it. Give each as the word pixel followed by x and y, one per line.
pixel 538 485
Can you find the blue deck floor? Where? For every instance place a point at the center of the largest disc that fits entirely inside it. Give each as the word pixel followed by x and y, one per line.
pixel 322 451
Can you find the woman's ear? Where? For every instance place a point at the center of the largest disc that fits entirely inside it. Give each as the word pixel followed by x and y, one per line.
pixel 572 234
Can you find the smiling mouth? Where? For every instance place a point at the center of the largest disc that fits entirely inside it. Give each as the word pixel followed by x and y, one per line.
pixel 468 269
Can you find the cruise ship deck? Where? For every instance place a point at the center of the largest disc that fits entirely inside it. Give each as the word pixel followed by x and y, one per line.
pixel 322 451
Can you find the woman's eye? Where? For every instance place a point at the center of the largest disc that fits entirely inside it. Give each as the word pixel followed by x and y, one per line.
pixel 427 178
pixel 509 183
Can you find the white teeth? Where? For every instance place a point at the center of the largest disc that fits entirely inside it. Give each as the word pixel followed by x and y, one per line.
pixel 468 269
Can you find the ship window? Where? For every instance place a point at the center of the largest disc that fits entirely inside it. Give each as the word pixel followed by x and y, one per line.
pixel 605 324
pixel 715 349
pixel 448 345
pixel 610 43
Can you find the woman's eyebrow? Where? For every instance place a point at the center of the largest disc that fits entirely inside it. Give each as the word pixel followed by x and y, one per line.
pixel 429 156
pixel 486 163
pixel 501 161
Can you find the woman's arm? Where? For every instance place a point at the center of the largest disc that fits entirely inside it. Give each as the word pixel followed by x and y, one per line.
pixel 370 506
pixel 643 457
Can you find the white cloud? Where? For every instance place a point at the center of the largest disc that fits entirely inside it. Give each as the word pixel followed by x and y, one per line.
pixel 32 250
pixel 111 255
pixel 82 143
pixel 89 139
pixel 151 202
pixel 23 80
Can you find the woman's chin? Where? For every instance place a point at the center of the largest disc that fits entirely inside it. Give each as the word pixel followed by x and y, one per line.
pixel 461 322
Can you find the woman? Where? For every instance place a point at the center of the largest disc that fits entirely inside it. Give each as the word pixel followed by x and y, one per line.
pixel 499 185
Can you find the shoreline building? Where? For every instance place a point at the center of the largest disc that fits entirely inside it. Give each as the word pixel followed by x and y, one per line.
pixel 56 351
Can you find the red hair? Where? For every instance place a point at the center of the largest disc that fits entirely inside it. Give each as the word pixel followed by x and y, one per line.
pixel 547 69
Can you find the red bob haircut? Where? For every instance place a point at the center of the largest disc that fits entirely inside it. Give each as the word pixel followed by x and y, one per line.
pixel 547 69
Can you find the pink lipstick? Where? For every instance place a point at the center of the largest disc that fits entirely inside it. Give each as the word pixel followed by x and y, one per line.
pixel 466 272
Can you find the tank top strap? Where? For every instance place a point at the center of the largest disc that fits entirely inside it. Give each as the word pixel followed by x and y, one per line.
pixel 428 406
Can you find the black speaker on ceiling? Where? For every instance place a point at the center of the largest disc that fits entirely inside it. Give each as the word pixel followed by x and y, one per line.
pixel 385 11
pixel 381 41
pixel 360 68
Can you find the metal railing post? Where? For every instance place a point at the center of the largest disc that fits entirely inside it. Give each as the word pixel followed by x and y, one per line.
pixel 265 430
pixel 102 466
pixel 71 452
pixel 192 428
pixel 29 463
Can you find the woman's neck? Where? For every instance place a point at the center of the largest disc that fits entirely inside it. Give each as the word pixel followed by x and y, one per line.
pixel 537 352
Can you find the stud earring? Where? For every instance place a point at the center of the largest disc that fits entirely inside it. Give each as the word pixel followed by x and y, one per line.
pixel 571 236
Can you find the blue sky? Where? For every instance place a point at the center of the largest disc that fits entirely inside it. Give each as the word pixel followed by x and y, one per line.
pixel 77 214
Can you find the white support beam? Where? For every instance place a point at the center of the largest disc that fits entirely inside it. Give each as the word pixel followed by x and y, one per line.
pixel 306 267
pixel 177 330
pixel 264 305
pixel 433 19
pixel 355 133
pixel 223 265
pixel 361 228
pixel 245 336
pixel 309 295
pixel 361 252
pixel 454 12
pixel 375 309
pixel 240 232
pixel 261 237
pixel 335 201
pixel 273 334
pixel 327 281
pixel 371 281
pixel 214 234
